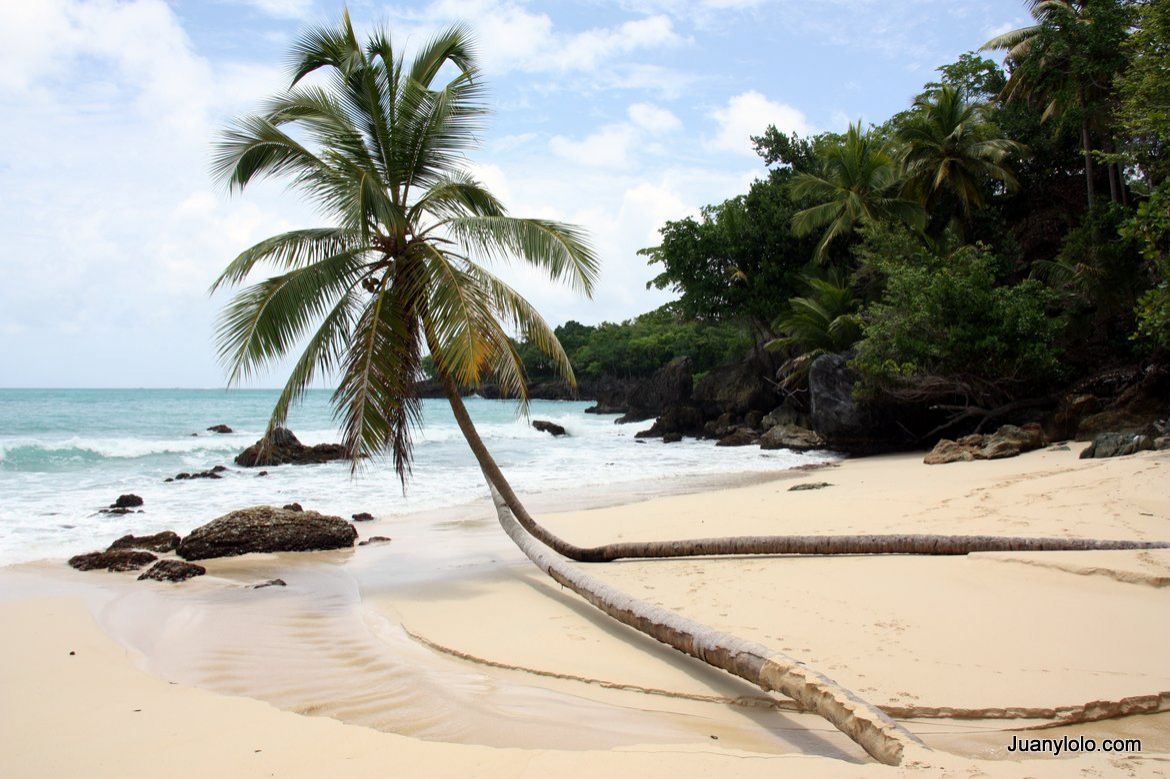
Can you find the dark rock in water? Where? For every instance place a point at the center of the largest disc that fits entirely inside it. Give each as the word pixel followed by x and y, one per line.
pixel 1117 445
pixel 812 485
pixel 269 583
pixel 118 511
pixel 671 438
pixel 293 507
pixel 741 437
pixel 374 540
pixel 127 502
pixel 262 473
pixel 166 541
pixel 172 571
pixel 267 529
pixel 668 386
pixel 736 388
pixel 282 436
pixel 1008 441
pixel 545 426
pixel 363 516
pixel 117 560
pixel 676 420
pixel 219 429
pixel 794 437
pixel 213 473
pixel 282 447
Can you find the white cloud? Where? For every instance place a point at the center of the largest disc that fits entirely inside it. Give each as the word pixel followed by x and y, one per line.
pixel 292 9
pixel 609 147
pixel 653 119
pixel 511 37
pixel 749 114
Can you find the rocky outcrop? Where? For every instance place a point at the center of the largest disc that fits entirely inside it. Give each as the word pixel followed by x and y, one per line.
pixel 552 428
pixel 267 529
pixel 223 429
pixel 166 541
pixel 211 473
pixel 675 421
pixel 1008 441
pixel 1117 445
pixel 118 560
pixel 789 436
pixel 282 447
pixel 668 386
pixel 737 388
pixel 740 437
pixel 1127 399
pixel 363 516
pixel 172 571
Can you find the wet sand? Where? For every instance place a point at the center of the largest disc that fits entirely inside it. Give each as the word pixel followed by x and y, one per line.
pixel 445 652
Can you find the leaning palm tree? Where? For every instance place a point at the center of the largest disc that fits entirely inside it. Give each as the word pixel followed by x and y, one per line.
pixel 951 151
pixel 857 184
pixel 379 148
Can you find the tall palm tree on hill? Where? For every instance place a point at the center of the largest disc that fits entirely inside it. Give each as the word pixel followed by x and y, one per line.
pixel 951 151
pixel 857 183
pixel 1066 61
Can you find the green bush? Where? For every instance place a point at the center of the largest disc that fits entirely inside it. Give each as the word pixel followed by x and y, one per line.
pixel 1150 228
pixel 944 322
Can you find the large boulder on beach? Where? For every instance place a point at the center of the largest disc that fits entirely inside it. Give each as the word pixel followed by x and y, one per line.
pixel 789 436
pixel 1008 441
pixel 282 447
pixel 668 386
pixel 166 541
pixel 117 560
pixel 267 529
pixel 1117 445
pixel 172 571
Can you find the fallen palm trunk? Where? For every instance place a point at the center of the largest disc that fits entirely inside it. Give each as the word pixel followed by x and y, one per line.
pixel 908 544
pixel 863 722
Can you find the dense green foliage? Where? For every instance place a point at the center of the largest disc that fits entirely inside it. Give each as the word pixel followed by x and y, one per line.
pixel 944 322
pixel 1009 230
pixel 639 346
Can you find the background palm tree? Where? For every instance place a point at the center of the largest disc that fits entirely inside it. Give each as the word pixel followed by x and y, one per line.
pixel 857 184
pixel 1066 61
pixel 951 152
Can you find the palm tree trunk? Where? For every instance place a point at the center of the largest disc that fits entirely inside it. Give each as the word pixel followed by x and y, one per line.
pixel 1087 147
pixel 876 733
pixel 910 544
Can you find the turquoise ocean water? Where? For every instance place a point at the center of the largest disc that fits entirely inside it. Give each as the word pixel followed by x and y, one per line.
pixel 65 454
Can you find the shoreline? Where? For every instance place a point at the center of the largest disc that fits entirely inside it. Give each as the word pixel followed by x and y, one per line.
pixel 450 646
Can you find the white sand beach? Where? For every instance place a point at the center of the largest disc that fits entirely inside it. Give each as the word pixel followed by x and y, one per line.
pixel 489 669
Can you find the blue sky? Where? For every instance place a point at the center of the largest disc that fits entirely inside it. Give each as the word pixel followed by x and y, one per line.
pixel 614 114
